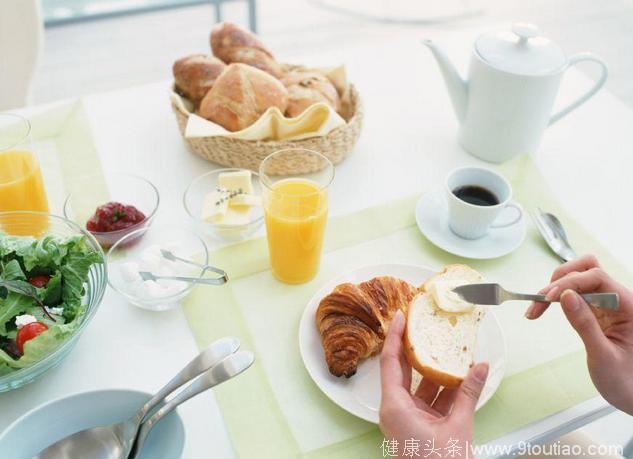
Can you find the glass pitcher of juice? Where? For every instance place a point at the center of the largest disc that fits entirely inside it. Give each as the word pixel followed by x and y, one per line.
pixel 295 209
pixel 21 184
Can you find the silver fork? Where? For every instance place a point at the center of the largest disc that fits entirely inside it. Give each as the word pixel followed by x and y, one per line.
pixel 493 294
pixel 552 231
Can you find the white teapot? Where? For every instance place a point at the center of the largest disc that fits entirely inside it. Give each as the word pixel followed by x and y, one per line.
pixel 506 104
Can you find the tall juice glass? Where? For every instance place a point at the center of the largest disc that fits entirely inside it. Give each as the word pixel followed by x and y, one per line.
pixel 295 208
pixel 21 183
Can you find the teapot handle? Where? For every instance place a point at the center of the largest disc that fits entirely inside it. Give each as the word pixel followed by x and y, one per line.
pixel 573 60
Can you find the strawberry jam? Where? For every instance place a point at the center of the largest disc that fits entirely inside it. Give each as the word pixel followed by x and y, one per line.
pixel 114 216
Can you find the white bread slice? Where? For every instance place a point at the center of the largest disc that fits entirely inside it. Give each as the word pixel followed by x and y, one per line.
pixel 439 344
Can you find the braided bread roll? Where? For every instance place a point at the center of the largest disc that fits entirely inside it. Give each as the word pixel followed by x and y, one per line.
pixel 353 320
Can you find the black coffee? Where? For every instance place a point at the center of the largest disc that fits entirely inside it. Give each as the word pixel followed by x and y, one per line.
pixel 476 195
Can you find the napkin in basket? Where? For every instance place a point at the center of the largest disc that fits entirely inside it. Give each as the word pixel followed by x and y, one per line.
pixel 317 121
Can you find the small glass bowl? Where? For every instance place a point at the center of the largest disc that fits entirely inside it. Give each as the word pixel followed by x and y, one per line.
pixel 130 249
pixel 194 197
pixel 41 225
pixel 125 188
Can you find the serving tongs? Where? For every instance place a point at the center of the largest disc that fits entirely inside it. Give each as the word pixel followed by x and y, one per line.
pixel 223 279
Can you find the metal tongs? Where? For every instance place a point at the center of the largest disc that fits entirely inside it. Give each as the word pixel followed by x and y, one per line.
pixel 223 279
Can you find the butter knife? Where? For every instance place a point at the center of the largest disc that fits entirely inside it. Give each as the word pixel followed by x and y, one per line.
pixel 495 294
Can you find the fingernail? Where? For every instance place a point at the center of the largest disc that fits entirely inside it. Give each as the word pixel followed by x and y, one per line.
pixel 570 300
pixel 551 295
pixel 399 316
pixel 530 311
pixel 481 372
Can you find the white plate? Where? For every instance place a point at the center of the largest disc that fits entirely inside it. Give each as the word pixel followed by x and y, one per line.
pixel 360 394
pixel 431 215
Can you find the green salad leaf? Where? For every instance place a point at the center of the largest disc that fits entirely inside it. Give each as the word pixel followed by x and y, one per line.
pixel 44 344
pixel 13 305
pixel 12 271
pixel 52 294
pixel 67 263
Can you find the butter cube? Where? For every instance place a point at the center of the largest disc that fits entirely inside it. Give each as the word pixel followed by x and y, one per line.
pixel 245 200
pixel 236 181
pixel 214 207
pixel 237 216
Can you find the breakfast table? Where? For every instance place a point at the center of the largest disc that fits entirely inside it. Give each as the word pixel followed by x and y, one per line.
pixel 407 146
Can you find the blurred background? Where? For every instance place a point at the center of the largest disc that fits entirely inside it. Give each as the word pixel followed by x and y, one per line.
pixel 96 45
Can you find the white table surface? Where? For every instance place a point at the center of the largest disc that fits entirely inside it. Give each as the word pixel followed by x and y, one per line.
pixel 408 144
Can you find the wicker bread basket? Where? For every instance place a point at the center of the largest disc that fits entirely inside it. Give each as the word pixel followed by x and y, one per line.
pixel 248 154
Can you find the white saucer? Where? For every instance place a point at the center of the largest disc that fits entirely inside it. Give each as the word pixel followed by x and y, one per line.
pixel 360 394
pixel 431 214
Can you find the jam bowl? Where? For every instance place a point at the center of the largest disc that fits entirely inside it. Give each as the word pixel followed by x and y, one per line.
pixel 112 206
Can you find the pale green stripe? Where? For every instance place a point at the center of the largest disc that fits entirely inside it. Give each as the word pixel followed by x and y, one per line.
pixel 78 156
pixel 247 404
pixel 521 398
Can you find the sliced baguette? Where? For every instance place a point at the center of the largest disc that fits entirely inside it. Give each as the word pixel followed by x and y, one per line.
pixel 438 344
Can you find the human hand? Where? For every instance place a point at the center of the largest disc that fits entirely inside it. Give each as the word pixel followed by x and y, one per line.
pixel 432 417
pixel 607 335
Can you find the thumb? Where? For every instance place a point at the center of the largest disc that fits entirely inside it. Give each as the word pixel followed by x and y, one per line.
pixel 583 320
pixel 468 393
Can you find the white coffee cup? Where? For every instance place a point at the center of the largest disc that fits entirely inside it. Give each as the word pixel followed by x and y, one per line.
pixel 471 221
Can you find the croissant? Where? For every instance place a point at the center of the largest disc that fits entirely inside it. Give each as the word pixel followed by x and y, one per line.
pixel 353 320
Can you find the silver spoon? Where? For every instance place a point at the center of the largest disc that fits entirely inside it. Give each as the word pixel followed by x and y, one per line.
pixel 223 371
pixel 555 239
pixel 556 223
pixel 115 441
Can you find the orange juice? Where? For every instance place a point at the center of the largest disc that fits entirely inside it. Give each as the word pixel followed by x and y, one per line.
pixel 21 185
pixel 296 213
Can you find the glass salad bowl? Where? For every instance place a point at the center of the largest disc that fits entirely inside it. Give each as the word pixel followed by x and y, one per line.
pixel 193 200
pixel 92 191
pixel 48 349
pixel 141 251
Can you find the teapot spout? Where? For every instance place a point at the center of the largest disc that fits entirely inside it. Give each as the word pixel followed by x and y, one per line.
pixel 457 87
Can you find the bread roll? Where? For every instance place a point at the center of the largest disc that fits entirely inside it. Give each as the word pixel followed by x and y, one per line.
pixel 196 74
pixel 234 44
pixel 306 88
pixel 241 95
pixel 438 344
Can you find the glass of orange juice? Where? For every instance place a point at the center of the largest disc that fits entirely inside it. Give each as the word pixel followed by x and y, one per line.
pixel 21 184
pixel 295 209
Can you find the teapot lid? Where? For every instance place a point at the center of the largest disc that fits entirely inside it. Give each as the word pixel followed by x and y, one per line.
pixel 522 50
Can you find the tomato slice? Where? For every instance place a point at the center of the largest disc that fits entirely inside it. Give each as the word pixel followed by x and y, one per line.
pixel 39 281
pixel 28 332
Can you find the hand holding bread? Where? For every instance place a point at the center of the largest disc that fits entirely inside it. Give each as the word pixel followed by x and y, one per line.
pixel 431 414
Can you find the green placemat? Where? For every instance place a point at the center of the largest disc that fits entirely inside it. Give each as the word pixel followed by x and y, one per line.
pixel 63 143
pixel 275 410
